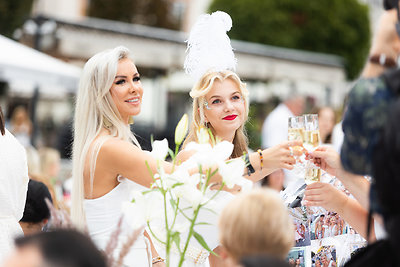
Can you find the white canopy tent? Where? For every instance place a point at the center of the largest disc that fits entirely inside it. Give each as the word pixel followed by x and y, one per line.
pixel 25 69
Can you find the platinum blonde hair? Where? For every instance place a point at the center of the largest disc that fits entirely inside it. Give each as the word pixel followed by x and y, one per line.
pixel 94 109
pixel 198 92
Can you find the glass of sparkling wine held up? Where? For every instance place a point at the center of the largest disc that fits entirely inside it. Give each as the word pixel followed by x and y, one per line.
pixel 311 141
pixel 296 131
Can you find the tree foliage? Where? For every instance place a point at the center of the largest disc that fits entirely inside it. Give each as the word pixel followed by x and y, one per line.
pixel 13 13
pixel 338 27
pixel 155 13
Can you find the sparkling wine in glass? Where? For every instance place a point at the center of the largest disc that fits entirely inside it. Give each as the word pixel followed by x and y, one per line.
pixel 296 132
pixel 311 142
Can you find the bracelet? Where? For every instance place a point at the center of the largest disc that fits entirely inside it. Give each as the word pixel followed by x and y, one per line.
pixel 157 260
pixel 383 60
pixel 261 158
pixel 250 168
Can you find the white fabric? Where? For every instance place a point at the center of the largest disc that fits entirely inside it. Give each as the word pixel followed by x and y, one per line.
pixel 13 188
pixel 37 69
pixel 275 131
pixel 275 127
pixel 337 137
pixel 196 255
pixel 102 216
pixel 380 232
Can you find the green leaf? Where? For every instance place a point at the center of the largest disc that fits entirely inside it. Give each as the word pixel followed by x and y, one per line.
pixel 210 210
pixel 175 237
pixel 171 153
pixel 173 204
pixel 202 242
pixel 177 184
pixel 202 223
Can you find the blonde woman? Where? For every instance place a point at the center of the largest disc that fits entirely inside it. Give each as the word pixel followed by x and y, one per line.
pixel 253 224
pixel 220 103
pixel 108 162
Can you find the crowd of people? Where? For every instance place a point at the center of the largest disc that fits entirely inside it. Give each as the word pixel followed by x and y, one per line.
pixel 254 228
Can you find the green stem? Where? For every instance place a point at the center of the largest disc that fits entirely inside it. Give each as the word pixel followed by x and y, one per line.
pixel 168 244
pixel 174 159
pixel 193 221
pixel 154 235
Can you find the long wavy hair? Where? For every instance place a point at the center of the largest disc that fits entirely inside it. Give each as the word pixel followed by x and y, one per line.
pixel 2 123
pixel 94 109
pixel 198 92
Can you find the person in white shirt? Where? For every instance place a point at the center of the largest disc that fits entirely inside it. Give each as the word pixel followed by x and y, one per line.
pixel 275 131
pixel 13 188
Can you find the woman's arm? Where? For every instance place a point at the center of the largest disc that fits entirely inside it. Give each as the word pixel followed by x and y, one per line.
pixel 326 196
pixel 329 160
pixel 274 158
pixel 117 157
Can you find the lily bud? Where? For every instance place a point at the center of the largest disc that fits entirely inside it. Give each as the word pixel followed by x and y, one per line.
pixel 181 129
pixel 203 136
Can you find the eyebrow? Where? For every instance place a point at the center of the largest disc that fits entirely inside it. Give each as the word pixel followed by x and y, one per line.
pixel 124 76
pixel 216 96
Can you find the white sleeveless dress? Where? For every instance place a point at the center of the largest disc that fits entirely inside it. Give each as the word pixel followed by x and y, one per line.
pixel 102 216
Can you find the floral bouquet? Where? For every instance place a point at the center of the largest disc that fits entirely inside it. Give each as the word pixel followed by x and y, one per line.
pixel 171 209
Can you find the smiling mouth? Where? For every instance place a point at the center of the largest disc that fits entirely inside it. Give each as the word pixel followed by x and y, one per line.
pixel 135 100
pixel 230 117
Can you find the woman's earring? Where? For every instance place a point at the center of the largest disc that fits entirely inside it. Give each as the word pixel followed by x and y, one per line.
pixel 107 124
pixel 131 121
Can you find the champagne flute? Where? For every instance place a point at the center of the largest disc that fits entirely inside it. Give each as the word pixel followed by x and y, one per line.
pixel 311 142
pixel 296 132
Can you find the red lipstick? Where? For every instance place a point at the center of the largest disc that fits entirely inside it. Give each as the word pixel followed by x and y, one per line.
pixel 230 117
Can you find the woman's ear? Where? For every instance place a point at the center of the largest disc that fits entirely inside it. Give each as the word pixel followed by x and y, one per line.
pixel 223 253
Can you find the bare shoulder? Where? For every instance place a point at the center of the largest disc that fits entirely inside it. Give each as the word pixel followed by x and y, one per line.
pixel 116 149
pixel 184 155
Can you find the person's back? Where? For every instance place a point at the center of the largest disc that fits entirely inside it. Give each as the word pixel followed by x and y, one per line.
pixel 13 187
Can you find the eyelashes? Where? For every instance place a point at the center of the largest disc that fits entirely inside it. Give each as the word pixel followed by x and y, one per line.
pixel 123 81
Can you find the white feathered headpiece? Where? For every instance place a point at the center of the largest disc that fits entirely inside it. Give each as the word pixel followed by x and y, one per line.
pixel 209 47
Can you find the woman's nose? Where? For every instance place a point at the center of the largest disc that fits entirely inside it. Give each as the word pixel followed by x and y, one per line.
pixel 133 87
pixel 228 105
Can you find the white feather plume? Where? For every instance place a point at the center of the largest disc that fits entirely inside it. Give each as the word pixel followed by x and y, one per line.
pixel 209 47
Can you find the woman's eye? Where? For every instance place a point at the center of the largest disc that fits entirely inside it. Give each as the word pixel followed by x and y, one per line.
pixel 136 79
pixel 216 101
pixel 236 97
pixel 120 82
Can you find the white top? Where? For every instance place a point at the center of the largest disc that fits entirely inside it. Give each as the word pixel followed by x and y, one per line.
pixel 275 131
pixel 13 188
pixel 102 216
pixel 275 127
pixel 337 137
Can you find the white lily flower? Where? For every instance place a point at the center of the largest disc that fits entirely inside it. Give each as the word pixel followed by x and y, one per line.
pixel 146 208
pixel 206 155
pixel 181 226
pixel 231 172
pixel 203 136
pixel 188 190
pixel 160 149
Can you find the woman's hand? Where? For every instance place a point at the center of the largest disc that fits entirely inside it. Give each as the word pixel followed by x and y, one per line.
pixel 326 158
pixel 326 196
pixel 281 156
